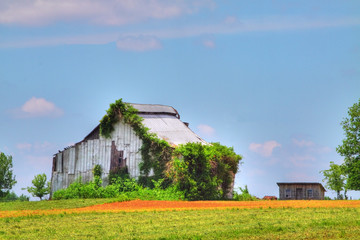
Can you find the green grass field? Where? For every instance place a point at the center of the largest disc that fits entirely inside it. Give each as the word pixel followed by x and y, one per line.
pixel 58 204
pixel 266 223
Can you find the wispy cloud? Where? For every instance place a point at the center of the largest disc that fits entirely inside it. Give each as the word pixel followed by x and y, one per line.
pixel 230 20
pixel 37 147
pixel 138 43
pixel 209 43
pixel 265 149
pixel 38 107
pixel 310 146
pixel 296 176
pixel 39 160
pixel 229 26
pixel 304 154
pixel 256 172
pixel 206 130
pixel 6 148
pixel 305 160
pixel 24 146
pixel 302 143
pixel 110 12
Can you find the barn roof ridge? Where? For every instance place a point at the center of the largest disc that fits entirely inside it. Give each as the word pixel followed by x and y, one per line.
pixel 155 109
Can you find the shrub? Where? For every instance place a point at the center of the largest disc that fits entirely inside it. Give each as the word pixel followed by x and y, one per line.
pixel 191 173
pixel 244 195
pixel 121 188
pixel 118 173
pixel 203 172
pixel 11 196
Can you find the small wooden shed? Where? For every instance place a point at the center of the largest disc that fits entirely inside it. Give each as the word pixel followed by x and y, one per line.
pixel 301 191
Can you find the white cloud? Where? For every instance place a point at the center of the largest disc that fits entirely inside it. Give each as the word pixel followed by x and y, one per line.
pixel 138 43
pixel 206 130
pixel 264 149
pixel 110 12
pixel 38 107
pixel 209 43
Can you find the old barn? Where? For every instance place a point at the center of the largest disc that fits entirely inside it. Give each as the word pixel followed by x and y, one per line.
pixel 301 191
pixel 120 149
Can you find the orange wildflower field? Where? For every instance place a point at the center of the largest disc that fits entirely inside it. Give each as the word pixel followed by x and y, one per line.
pixel 145 205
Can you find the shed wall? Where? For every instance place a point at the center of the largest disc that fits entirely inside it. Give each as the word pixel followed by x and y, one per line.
pixel 296 194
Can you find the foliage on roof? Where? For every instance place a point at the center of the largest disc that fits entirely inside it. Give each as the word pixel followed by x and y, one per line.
pixel 155 151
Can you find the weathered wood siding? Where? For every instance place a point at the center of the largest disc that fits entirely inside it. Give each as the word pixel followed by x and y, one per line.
pixel 79 160
pixel 300 192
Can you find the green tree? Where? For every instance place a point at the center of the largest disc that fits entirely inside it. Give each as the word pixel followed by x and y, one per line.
pixel 7 179
pixel 40 186
pixel 335 179
pixel 350 148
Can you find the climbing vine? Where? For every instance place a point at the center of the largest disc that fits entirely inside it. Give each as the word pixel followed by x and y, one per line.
pixel 155 152
pixel 203 172
pixel 200 171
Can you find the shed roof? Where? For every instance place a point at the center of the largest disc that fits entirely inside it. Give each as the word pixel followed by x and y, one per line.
pixel 301 183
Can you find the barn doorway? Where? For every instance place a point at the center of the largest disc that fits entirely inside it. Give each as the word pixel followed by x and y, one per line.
pixel 299 193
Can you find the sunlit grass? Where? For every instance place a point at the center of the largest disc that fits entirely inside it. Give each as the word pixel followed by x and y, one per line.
pixel 242 220
pixel 284 223
pixel 55 204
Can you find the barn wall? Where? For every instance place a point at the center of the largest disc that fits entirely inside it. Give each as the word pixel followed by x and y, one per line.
pixel 79 160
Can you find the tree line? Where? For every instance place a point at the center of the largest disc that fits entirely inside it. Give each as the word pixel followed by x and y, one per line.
pixel 40 188
pixel 346 176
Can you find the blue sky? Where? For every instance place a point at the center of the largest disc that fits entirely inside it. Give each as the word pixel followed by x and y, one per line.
pixel 273 79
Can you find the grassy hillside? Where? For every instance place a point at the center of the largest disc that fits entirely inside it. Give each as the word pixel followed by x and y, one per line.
pixel 281 223
pixel 56 204
pixel 234 223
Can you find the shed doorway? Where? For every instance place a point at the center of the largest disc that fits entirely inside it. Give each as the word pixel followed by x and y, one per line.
pixel 299 193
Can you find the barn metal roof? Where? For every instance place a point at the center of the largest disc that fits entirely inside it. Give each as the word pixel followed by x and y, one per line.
pixel 155 108
pixel 165 122
pixel 170 128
